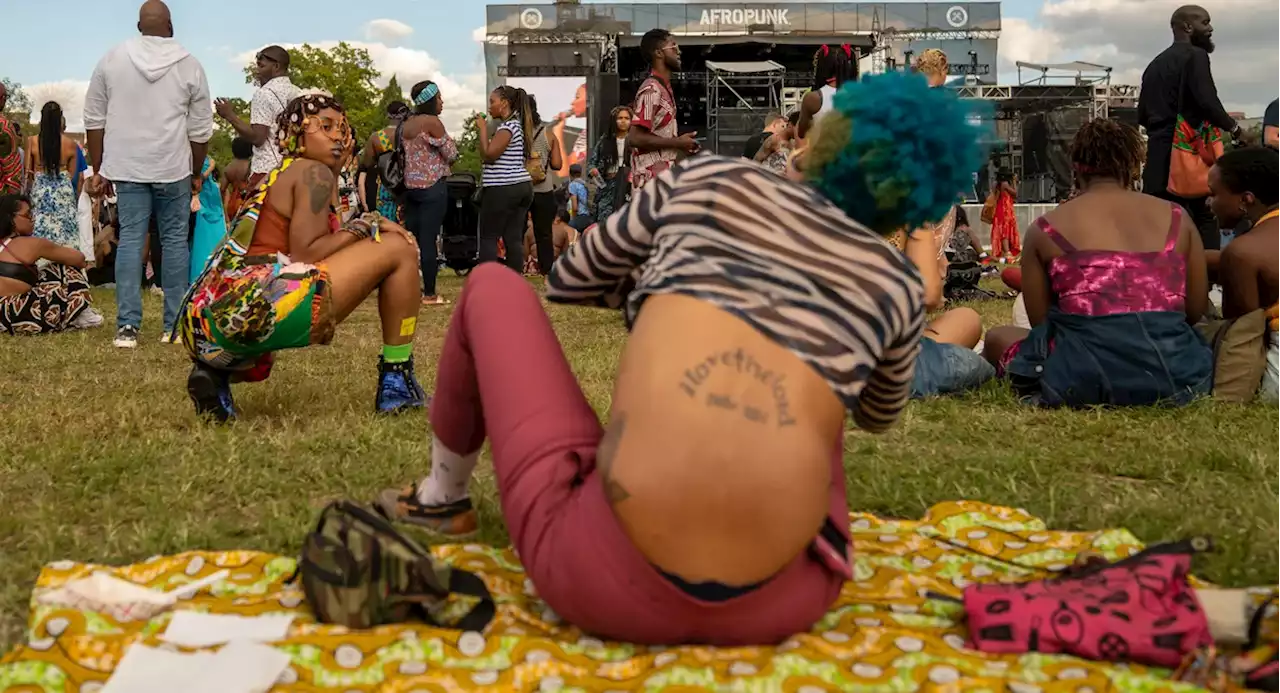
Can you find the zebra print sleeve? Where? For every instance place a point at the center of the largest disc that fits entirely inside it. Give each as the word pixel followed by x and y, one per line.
pixel 889 386
pixel 598 269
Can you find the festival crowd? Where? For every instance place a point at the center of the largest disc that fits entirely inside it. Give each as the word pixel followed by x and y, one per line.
pixel 780 290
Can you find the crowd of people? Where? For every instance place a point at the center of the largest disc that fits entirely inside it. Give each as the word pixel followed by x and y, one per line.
pixel 797 281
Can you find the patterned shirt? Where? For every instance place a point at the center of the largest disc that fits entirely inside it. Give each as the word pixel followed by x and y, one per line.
pixel 268 103
pixel 509 168
pixel 774 253
pixel 655 111
pixel 428 160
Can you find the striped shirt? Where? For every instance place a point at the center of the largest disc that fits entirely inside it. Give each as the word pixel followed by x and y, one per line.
pixel 774 253
pixel 509 168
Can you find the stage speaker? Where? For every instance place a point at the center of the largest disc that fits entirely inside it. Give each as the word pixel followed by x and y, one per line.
pixel 552 59
pixel 602 98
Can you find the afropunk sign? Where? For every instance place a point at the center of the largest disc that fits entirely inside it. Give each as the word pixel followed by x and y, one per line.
pixel 745 17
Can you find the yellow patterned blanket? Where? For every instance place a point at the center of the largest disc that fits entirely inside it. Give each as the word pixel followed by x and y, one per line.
pixel 884 634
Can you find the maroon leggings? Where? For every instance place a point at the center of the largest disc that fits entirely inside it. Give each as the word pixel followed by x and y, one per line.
pixel 502 373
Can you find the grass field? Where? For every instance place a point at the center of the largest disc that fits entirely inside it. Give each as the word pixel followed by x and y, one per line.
pixel 101 458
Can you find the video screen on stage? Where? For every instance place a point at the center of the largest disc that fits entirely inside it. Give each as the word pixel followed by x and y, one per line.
pixel 562 103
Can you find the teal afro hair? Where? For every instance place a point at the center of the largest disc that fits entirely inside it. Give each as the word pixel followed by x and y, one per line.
pixel 896 153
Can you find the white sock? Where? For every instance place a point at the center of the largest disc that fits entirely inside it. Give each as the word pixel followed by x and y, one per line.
pixel 449 476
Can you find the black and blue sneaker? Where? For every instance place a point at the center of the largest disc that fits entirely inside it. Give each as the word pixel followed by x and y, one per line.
pixel 210 391
pixel 398 389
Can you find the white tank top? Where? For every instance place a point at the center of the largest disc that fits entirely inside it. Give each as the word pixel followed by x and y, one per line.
pixel 828 99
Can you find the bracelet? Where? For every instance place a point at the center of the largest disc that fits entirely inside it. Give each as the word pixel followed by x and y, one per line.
pixel 365 226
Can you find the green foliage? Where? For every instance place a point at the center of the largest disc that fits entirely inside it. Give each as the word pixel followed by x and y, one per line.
pixel 392 92
pixel 220 143
pixel 469 160
pixel 344 71
pixel 18 109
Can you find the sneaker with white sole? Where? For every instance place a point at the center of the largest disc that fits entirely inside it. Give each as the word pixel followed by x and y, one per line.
pixel 87 319
pixel 127 337
pixel 169 338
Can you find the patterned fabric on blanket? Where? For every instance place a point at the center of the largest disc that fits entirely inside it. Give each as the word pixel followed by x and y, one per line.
pixel 884 634
pixel 60 296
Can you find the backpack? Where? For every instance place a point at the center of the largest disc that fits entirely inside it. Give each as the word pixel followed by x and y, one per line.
pixel 359 571
pixel 536 167
pixel 391 164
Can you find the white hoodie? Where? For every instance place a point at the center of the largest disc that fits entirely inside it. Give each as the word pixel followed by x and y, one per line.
pixel 152 98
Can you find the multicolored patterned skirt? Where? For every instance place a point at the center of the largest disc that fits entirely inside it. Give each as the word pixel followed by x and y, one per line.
pixel 57 299
pixel 245 308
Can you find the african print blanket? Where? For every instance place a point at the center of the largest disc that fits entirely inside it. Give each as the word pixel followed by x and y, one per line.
pixel 886 632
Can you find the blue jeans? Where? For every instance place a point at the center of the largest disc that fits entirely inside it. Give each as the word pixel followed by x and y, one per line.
pixel 948 369
pixel 171 203
pixel 424 210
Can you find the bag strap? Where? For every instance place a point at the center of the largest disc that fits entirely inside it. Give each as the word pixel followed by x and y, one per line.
pixel 470 585
pixel 1175 228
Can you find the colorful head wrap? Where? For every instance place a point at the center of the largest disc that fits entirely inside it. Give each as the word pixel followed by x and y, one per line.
pixel 297 118
pixel 427 94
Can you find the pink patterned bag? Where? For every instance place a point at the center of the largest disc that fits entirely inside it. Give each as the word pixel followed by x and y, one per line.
pixel 1139 610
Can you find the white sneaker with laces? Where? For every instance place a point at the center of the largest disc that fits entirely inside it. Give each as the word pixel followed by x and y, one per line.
pixel 88 319
pixel 127 337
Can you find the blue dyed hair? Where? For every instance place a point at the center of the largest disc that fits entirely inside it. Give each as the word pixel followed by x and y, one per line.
pixel 896 153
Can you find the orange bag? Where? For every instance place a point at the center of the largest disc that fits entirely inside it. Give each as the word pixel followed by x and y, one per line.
pixel 1194 153
pixel 989 209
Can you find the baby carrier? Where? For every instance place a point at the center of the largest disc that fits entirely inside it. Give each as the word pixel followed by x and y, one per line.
pixel 460 234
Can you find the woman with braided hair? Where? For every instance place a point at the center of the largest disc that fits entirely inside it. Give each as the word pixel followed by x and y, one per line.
pixel 763 309
pixel 1113 281
pixel 287 273
pixel 507 181
pixel 832 67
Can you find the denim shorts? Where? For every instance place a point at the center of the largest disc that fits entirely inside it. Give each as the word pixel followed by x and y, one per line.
pixel 946 369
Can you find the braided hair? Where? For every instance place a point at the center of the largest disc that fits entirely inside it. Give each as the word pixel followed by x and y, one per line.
pixel 894 152
pixel 518 99
pixel 1251 170
pixel 293 121
pixel 838 64
pixel 1108 149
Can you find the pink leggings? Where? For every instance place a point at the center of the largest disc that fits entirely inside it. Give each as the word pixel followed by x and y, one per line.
pixel 502 373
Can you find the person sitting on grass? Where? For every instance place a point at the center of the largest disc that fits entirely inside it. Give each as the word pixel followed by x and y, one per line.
pixel 39 299
pixel 763 309
pixel 1243 188
pixel 286 276
pixel 1113 280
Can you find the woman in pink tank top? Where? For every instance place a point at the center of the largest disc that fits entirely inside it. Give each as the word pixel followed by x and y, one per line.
pixel 1111 250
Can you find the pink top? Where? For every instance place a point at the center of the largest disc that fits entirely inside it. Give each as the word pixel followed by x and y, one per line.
pixel 428 160
pixel 1109 282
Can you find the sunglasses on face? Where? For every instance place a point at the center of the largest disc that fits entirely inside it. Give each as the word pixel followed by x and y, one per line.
pixel 335 128
pixel 265 59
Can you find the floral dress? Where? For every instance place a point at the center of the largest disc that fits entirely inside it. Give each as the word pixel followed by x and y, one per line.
pixel 54 209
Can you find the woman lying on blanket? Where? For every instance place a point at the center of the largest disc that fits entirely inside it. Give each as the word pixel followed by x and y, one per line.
pixel 712 508
pixel 287 273
pixel 1113 281
pixel 39 299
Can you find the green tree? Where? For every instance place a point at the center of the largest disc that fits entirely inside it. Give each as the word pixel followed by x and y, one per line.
pixel 345 71
pixel 391 92
pixel 469 160
pixel 220 143
pixel 18 109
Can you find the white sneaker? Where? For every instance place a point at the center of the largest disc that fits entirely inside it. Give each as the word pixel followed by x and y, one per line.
pixel 127 337
pixel 88 319
pixel 169 338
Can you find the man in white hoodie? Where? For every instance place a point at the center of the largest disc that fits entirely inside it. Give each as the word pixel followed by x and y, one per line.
pixel 149 117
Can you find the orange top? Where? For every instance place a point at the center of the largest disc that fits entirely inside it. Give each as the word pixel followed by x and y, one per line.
pixel 271 232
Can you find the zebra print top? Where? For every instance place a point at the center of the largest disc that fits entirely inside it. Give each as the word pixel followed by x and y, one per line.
pixel 774 253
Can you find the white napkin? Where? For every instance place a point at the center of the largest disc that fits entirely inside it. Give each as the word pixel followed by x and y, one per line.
pixel 197 630
pixel 123 600
pixel 240 667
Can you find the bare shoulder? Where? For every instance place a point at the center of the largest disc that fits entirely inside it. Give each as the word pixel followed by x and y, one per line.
pixel 1253 249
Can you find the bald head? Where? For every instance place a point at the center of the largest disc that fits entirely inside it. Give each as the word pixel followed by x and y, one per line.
pixel 1191 24
pixel 154 19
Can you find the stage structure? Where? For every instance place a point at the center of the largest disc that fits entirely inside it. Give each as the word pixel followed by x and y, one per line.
pixel 599 42
pixel 739 97
pixel 1037 119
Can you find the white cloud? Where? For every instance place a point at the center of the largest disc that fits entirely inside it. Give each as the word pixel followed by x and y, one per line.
pixel 463 94
pixel 390 31
pixel 69 94
pixel 1126 35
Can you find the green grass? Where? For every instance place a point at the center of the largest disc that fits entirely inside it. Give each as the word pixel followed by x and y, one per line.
pixel 101 458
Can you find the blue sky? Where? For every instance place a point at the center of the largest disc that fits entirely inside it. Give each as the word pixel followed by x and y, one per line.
pixel 434 38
